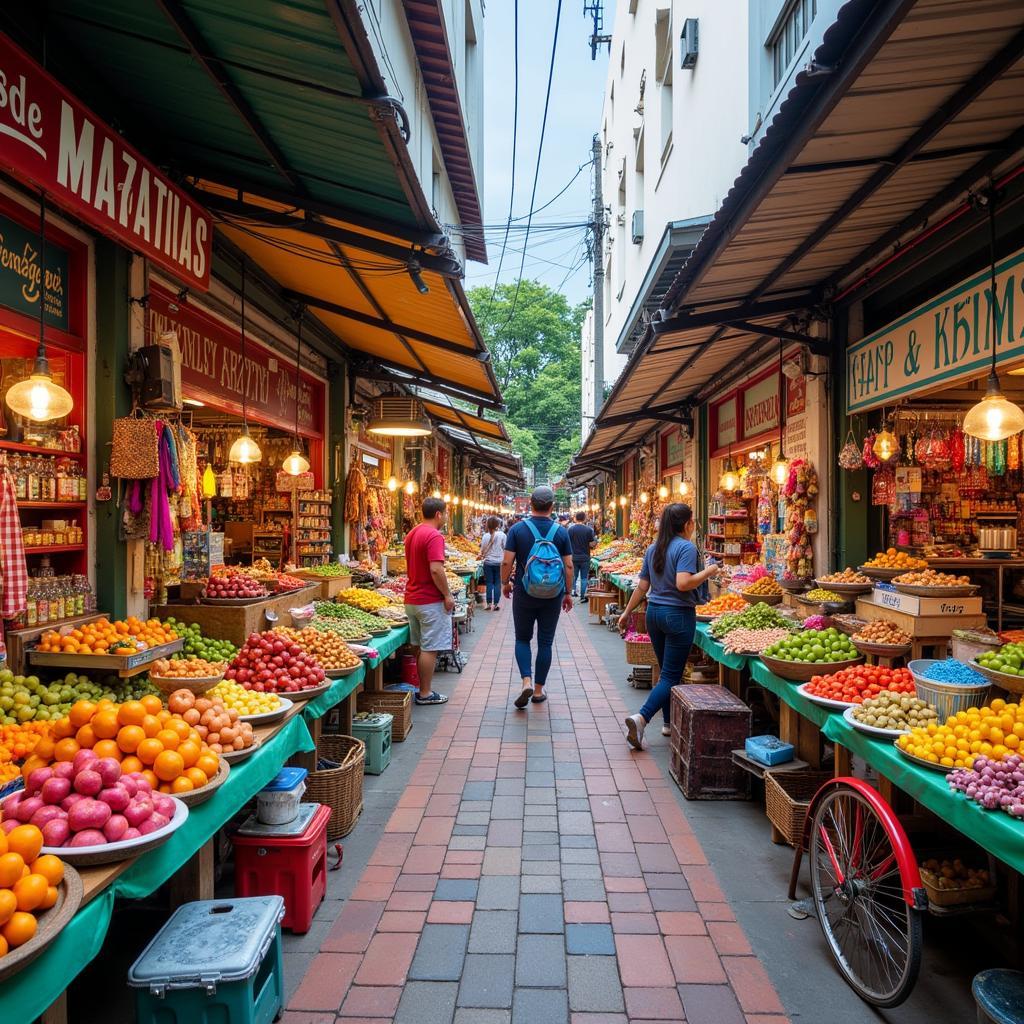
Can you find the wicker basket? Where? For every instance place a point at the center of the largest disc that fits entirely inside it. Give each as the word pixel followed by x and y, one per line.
pixel 787 795
pixel 397 703
pixel 397 565
pixel 340 788
pixel 641 652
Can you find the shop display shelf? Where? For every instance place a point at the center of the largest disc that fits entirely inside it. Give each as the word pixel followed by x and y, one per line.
pixel 51 504
pixel 33 449
pixel 54 549
pixel 125 665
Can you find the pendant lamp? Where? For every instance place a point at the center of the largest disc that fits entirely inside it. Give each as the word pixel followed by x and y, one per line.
pixel 40 398
pixel 886 445
pixel 644 497
pixel 994 418
pixel 662 492
pixel 397 415
pixel 730 479
pixel 780 467
pixel 296 463
pixel 244 449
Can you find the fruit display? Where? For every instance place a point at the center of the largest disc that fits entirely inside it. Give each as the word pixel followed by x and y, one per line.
pixel 766 586
pixel 995 785
pixel 756 616
pixel 199 646
pixel 347 629
pixel 394 587
pixel 816 622
pixel 29 884
pixel 366 600
pixel 931 578
pixel 858 683
pixel 88 801
pixel 234 586
pixel 752 641
pixel 236 697
pixel 286 582
pixel 953 874
pixel 814 646
pixel 394 613
pixel 328 648
pixel 727 602
pixel 893 559
pixel 219 727
pixel 846 576
pixel 891 710
pixel 881 632
pixel 955 672
pixel 269 661
pixel 327 571
pixel 1009 659
pixel 27 699
pixel 186 668
pixel 127 636
pixel 330 610
pixel 995 732
pixel 16 743
pixel 819 595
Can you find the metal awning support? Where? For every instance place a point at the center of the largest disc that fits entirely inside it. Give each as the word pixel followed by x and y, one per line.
pixel 686 319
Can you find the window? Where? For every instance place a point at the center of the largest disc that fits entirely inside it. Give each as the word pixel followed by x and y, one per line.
pixel 789 34
pixel 663 75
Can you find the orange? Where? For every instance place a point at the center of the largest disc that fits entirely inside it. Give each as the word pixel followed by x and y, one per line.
pixel 50 867
pixel 132 712
pixel 66 749
pixel 4 948
pixel 197 777
pixel 151 725
pixel 3 843
pixel 30 891
pixel 86 736
pixel 131 764
pixel 19 929
pixel 165 787
pixel 51 898
pixel 8 905
pixel 44 748
pixel 150 777
pixel 105 725
pixel 182 784
pixel 11 867
pixel 149 750
pixel 62 729
pixel 80 713
pixel 190 752
pixel 181 727
pixel 106 704
pixel 208 763
pixel 152 703
pixel 129 737
pixel 169 738
pixel 107 748
pixel 168 765
pixel 26 841
pixel 164 715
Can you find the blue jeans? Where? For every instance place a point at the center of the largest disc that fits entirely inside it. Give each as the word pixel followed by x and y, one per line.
pixel 671 630
pixel 492 580
pixel 580 576
pixel 545 616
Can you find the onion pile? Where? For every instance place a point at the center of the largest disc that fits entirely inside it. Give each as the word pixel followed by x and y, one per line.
pixel 993 784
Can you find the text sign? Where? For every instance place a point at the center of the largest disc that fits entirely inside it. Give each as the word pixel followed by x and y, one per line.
pixel 213 371
pixel 761 406
pixel 673 447
pixel 725 433
pixel 62 147
pixel 20 275
pixel 941 341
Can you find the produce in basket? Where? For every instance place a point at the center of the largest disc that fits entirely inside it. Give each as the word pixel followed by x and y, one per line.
pixel 766 586
pixel 186 668
pixel 237 585
pixel 328 609
pixel 29 884
pixel 328 648
pixel 813 646
pixel 26 699
pixel 994 732
pixel 955 672
pixel 199 646
pixel 269 661
pixel 882 632
pixel 726 602
pixel 993 784
pixel 891 710
pixel 856 684
pixel 329 570
pixel 953 874
pixel 819 596
pixel 348 629
pixel 218 726
pixel 286 582
pixel 893 559
pixel 246 702
pixel 367 600
pixel 1009 659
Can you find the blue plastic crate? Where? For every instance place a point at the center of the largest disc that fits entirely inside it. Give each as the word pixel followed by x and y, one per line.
pixel 768 750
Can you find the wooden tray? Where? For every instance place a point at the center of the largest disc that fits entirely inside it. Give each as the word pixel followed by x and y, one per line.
pixel 846 588
pixel 110 662
pixel 240 755
pixel 794 586
pixel 961 590
pixel 197 684
pixel 883 574
pixel 380 632
pixel 313 691
pixel 49 925
pixel 195 797
pixel 266 717
pixel 340 673
pixel 805 671
pixel 761 598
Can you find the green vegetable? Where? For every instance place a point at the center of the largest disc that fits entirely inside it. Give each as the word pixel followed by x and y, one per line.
pixel 757 616
pixel 814 646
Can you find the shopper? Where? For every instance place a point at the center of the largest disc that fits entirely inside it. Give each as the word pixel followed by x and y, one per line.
pixel 492 553
pixel 428 601
pixel 542 555
pixel 674 581
pixel 583 541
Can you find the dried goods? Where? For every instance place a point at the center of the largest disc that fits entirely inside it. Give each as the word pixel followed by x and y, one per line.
pixel 882 632
pixel 893 559
pixel 845 576
pixel 328 648
pixel 186 668
pixel 747 641
pixel 819 596
pixel 766 586
pixel 931 578
pixel 720 605
pixel 756 616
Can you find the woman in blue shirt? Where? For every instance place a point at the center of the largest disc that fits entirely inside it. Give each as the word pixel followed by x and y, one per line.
pixel 673 580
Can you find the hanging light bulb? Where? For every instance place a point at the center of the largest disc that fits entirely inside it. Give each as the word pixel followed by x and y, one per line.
pixel 244 449
pixel 730 479
pixel 663 492
pixel 410 487
pixel 436 494
pixel 296 463
pixel 392 484
pixel 887 445
pixel 780 467
pixel 40 398
pixel 455 500
pixel 623 501
pixel 447 498
pixel 644 497
pixel 684 488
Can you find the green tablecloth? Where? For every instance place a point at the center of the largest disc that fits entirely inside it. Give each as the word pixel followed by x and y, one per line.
pixel 994 831
pixel 625 583
pixel 707 643
pixel 385 645
pixel 341 688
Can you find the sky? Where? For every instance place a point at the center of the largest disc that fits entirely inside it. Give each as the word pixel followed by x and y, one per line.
pixel 573 117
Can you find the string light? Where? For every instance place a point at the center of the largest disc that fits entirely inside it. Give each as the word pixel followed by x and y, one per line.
pixel 392 485
pixel 644 497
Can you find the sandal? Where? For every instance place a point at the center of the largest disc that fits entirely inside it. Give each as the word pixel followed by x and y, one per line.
pixel 524 698
pixel 539 700
pixel 434 698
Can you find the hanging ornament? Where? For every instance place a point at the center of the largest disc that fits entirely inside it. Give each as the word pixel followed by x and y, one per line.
pixel 1013 453
pixel 209 482
pixel 956 450
pixel 871 460
pixel 850 457
pixel 886 445
pixel 999 457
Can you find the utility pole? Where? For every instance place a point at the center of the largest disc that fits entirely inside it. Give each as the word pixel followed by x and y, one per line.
pixel 597 254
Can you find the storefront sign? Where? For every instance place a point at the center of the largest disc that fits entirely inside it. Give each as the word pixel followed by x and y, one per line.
pixel 942 341
pixel 761 406
pixel 59 145
pixel 673 448
pixel 796 396
pixel 20 273
pixel 212 369
pixel 725 423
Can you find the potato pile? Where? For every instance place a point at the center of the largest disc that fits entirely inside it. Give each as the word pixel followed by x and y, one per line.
pixel 954 874
pixel 895 711
pixel 882 632
pixel 220 728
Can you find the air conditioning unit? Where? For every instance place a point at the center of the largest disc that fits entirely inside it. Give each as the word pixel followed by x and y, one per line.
pixel 688 44
pixel 638 226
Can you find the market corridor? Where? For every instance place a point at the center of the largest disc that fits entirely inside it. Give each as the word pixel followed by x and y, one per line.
pixel 535 869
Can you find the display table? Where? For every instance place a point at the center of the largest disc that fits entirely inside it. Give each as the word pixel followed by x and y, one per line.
pixel 385 646
pixel 730 666
pixel 971 565
pixel 330 586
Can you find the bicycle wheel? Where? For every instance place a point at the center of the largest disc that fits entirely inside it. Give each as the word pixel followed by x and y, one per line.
pixel 874 934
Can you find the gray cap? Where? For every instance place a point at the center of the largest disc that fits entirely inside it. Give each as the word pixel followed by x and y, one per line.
pixel 542 497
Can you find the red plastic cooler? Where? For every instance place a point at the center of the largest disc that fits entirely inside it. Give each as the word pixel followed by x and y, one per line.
pixel 292 866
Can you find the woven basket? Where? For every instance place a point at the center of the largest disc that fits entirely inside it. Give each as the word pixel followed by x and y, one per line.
pixel 341 788
pixel 397 703
pixel 397 565
pixel 787 795
pixel 639 652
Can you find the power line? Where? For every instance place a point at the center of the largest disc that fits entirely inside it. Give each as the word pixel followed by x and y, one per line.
pixel 579 171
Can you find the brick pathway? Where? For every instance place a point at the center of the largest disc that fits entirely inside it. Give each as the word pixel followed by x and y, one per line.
pixel 536 871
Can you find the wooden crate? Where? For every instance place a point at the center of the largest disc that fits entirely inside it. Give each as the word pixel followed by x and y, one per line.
pixel 708 723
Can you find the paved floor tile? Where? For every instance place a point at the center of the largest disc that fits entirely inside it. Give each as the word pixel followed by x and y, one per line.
pixel 498 892
pixel 456 889
pixel 371 1001
pixel 537 1006
pixel 440 953
pixel 594 984
pixel 427 1001
pixel 540 913
pixel 592 939
pixel 540 962
pixel 493 931
pixel 487 980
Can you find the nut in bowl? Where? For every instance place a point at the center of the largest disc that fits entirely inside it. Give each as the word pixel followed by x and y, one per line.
pixel 195 674
pixel 765 591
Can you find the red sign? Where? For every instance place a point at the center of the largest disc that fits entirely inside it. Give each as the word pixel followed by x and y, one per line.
pixel 796 396
pixel 59 145
pixel 212 369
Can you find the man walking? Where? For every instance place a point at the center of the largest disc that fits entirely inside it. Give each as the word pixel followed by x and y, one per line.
pixel 583 541
pixel 542 555
pixel 428 601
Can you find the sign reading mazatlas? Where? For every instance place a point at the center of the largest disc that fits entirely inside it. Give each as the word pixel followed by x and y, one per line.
pixel 52 140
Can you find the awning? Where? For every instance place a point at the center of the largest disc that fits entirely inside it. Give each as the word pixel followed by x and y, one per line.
pixel 889 139
pixel 452 416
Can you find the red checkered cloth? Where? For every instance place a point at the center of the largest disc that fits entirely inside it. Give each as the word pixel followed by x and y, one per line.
pixel 13 571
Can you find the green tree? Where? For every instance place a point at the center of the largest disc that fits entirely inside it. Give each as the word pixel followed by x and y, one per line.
pixel 534 341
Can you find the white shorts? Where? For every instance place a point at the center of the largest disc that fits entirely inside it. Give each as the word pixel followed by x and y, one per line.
pixel 430 626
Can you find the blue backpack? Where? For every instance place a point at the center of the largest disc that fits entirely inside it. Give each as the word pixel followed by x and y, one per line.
pixel 544 575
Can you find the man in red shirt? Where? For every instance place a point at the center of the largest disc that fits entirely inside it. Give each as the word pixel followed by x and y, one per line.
pixel 428 601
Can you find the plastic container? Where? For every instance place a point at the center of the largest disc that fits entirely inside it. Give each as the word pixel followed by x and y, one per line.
pixel 291 866
pixel 278 802
pixel 998 994
pixel 946 698
pixel 768 750
pixel 375 732
pixel 213 962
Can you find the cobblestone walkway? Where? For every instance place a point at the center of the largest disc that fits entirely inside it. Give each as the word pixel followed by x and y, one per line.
pixel 536 871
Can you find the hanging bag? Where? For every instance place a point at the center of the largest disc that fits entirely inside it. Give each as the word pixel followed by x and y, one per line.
pixel 135 454
pixel 544 576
